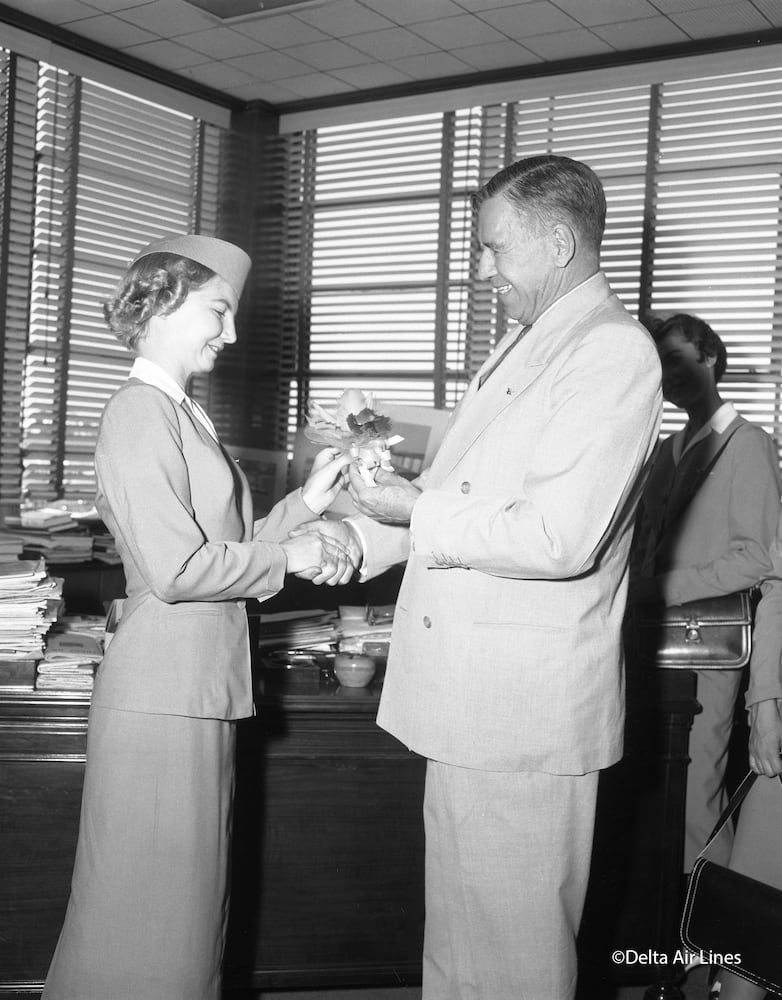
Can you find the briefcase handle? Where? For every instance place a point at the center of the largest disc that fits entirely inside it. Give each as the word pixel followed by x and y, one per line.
pixel 735 801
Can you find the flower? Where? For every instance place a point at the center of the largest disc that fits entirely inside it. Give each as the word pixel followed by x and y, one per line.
pixel 354 426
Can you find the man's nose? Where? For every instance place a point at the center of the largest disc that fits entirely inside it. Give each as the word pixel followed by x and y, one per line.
pixel 486 266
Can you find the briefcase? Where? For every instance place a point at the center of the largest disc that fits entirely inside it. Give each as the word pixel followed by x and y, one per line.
pixel 715 632
pixel 732 919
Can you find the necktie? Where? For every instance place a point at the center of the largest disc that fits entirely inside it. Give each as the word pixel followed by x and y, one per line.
pixel 490 371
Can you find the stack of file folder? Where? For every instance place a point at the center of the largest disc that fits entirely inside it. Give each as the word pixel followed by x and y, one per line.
pixel 309 629
pixel 74 649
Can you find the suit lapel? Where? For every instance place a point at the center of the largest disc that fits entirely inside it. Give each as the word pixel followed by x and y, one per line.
pixel 547 338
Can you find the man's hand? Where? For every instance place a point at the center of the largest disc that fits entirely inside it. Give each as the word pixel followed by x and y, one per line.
pixel 390 500
pixel 337 530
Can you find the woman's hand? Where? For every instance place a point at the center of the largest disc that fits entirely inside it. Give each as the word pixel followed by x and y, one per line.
pixel 325 480
pixel 314 557
pixel 765 737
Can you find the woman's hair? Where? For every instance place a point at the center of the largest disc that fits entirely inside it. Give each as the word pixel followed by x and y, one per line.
pixel 155 285
pixel 549 188
pixel 699 333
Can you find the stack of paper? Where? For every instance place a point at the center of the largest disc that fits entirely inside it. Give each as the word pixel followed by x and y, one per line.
pixel 309 629
pixel 74 649
pixel 30 602
pixel 366 630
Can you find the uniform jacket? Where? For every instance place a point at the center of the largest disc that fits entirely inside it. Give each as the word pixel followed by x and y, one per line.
pixel 180 511
pixel 506 651
pixel 718 542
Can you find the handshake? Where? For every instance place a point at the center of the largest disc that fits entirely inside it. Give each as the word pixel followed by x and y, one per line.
pixel 329 552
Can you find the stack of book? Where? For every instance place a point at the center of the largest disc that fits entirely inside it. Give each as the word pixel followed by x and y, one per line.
pixel 74 649
pixel 30 602
pixel 104 549
pixel 10 546
pixel 52 533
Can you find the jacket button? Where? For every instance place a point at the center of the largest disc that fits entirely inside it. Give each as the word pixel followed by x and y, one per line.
pixel 427 621
pixel 465 487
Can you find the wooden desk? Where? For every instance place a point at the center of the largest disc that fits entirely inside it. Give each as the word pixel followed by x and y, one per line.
pixel 328 841
pixel 328 845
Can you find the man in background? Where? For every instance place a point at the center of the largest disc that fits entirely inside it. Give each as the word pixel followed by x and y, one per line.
pixel 505 669
pixel 705 525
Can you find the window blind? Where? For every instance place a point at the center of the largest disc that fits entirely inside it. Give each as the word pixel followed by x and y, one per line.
pixel 114 172
pixel 18 79
pixel 691 171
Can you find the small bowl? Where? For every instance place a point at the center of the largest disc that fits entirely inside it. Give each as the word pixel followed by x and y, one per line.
pixel 354 669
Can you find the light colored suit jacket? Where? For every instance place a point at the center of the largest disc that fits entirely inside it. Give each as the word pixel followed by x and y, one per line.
pixel 181 513
pixel 506 650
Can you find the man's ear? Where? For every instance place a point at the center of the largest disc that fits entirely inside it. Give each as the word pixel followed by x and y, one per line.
pixel 710 359
pixel 564 241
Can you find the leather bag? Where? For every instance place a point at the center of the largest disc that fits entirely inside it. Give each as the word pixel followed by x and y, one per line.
pixel 733 920
pixel 715 632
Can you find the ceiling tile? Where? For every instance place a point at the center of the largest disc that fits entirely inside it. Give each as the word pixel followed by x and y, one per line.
pixel 276 65
pixel 331 55
pixel 216 74
pixel 344 17
pixel 393 43
pixel 457 32
pixel 167 54
pixel 371 76
pixel 259 91
pixel 220 43
pixel 111 6
pixel 675 6
pixel 59 13
pixel 771 10
pixel 736 18
pixel 316 85
pixel 432 66
pixel 280 32
pixel 639 34
pixel 413 11
pixel 590 12
pixel 168 17
pixel 480 5
pixel 567 45
pixel 539 18
pixel 110 30
pixel 497 55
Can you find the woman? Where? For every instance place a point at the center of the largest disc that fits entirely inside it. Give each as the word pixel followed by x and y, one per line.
pixel 147 915
pixel 756 847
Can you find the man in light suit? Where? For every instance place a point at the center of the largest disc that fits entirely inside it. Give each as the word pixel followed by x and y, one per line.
pixel 505 668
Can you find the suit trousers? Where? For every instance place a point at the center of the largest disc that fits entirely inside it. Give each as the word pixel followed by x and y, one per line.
pixel 507 865
pixel 708 750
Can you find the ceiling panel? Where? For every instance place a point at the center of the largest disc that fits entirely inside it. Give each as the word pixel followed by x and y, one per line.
pixel 293 54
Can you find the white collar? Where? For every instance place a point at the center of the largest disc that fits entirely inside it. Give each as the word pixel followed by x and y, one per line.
pixel 148 371
pixel 719 422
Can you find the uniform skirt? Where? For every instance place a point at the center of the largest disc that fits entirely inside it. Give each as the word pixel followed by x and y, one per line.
pixel 148 910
